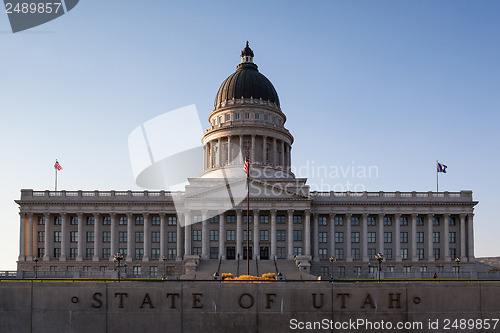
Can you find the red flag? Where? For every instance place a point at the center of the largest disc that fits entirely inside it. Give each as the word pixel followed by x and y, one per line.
pixel 246 166
pixel 58 166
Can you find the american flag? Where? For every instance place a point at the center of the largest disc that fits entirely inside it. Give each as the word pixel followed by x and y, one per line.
pixel 58 166
pixel 246 166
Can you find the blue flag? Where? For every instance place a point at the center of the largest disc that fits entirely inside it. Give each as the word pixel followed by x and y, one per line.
pixel 441 167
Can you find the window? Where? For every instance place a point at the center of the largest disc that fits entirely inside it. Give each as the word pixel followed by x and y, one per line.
pixel 339 237
pixel 41 220
pixel 355 253
pixel 155 253
pixel 245 219
pixel 388 253
pixel 139 237
pixel 139 220
pixel 273 119
pixel 403 237
pixel 230 235
pixel 90 220
pixel 247 115
pixel 403 253
pixel 323 253
pixel 322 221
pixel 355 220
pixel 451 221
pixel 228 117
pixel 41 236
pixel 342 271
pixel 280 219
pixel 403 221
pixel 435 221
pixel 197 251
pixel 171 253
pixel 41 253
pixel 73 236
pixel 297 219
pixel 245 235
pixel 123 251
pixel 371 221
pixel 155 237
pixel 172 237
pixel 452 237
pixel 57 220
pixel 420 237
pixel 339 220
pixel 196 235
pixel 57 252
pixel 436 253
pixel 257 116
pixel 102 269
pixel 106 253
pixel 73 253
pixel 420 221
pixel 297 251
pixel 387 237
pixel 122 220
pixel 106 220
pixel 197 219
pixel 423 269
pixel 435 237
pixel 106 236
pixel 214 219
pixel 90 236
pixel 214 252
pixel 323 237
pixel 387 221
pixel 264 235
pixel 407 269
pixel 266 117
pixel 264 219
pixel 137 270
pixel 122 236
pixel 153 270
pixel 214 235
pixel 139 253
pixel 236 116
pixel 172 220
pixel 57 236
pixel 281 252
pixel 372 237
pixel 89 253
pixel 339 254
pixel 354 237
pixel 73 220
pixel 297 235
pixel 230 219
pixel 420 253
pixel 372 253
pixel 155 220
pixel 280 235
pixel 453 253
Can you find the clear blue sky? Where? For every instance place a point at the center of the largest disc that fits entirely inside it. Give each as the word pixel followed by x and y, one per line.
pixel 391 84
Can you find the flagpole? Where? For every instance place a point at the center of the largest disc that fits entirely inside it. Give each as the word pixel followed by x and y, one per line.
pixel 56 181
pixel 248 220
pixel 437 178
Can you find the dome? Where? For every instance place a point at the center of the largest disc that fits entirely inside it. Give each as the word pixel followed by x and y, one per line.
pixel 246 82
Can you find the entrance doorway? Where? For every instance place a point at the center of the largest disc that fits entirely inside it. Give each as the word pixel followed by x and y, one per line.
pixel 230 253
pixel 264 253
pixel 245 253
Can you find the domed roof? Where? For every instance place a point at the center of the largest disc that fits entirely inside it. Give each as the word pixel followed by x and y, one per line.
pixel 247 82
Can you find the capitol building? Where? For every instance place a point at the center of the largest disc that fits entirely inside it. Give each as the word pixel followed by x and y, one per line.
pixel 207 228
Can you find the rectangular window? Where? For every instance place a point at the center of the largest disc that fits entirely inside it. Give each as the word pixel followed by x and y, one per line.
pixel 387 237
pixel 404 253
pixel 155 220
pixel 354 237
pixel 423 269
pixel 420 254
pixel 420 221
pixel 196 235
pixel 371 221
pixel 90 237
pixel 197 251
pixel 452 236
pixel 214 235
pixel 122 236
pixel 214 219
pixel 57 220
pixel 354 220
pixel 372 253
pixel 420 237
pixel 403 221
pixel 339 253
pixel 264 235
pixel 171 253
pixel 281 252
pixel 322 221
pixel 372 237
pixel 57 252
pixel 172 236
pixel 355 254
pixel 73 236
pixel 297 251
pixel 41 253
pixel 451 221
pixel 339 220
pixel 297 235
pixel 297 219
pixel 323 237
pixel 247 115
pixel 90 220
pixel 153 270
pixel 280 219
pixel 435 221
pixel 41 220
pixel 155 253
pixel 214 253
pixel 106 220
pixel 172 220
pixel 236 116
pixel 139 237
pixel 41 236
pixel 281 235
pixel 266 117
pixel 245 235
pixel 73 253
pixel 387 221
pixel 453 253
pixel 139 220
pixel 436 253
pixel 407 269
pixel 73 220
pixel 403 237
pixel 137 270
pixel 323 253
pixel 89 253
pixel 155 237
pixel 264 219
pixel 230 235
pixel 228 117
pixel 435 237
pixel 245 219
pixel 197 218
pixel 122 220
pixel 230 219
pixel 257 116
pixel 123 251
pixel 388 253
pixel 57 236
pixel 106 253
pixel 139 253
pixel 106 236
pixel 339 237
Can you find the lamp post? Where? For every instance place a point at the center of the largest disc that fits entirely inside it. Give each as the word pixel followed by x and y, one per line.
pixel 379 258
pixel 332 260
pixel 164 267
pixel 36 267
pixel 118 258
pixel 457 260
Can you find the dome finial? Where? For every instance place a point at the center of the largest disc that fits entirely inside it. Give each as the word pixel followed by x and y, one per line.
pixel 247 54
pixel 246 44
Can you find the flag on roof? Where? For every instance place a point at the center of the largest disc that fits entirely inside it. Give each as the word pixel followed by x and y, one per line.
pixel 58 166
pixel 441 167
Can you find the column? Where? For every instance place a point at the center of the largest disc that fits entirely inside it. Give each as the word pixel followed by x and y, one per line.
pixel 273 233
pixel 222 236
pixel 470 245
pixel 147 238
pixel 380 236
pixel 287 159
pixel 397 237
pixel 290 234
pixel 64 237
pixel 242 155
pixel 307 231
pixel 282 162
pixel 81 238
pixel 219 152
pixel 187 234
pixel 315 237
pixel 204 234
pixel 275 152
pixel 163 236
pixel 414 256
pixel 204 159
pixel 239 236
pixel 252 153
pixel 22 238
pixel 30 237
pixel 463 256
pixel 229 157
pixel 114 236
pixel 446 240
pixel 264 146
pixel 256 247
pixel 430 257
pixel 332 235
pixel 347 237
pixel 289 156
pixel 48 230
pixel 364 237
pixel 130 222
pixel 178 235
pixel 97 237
